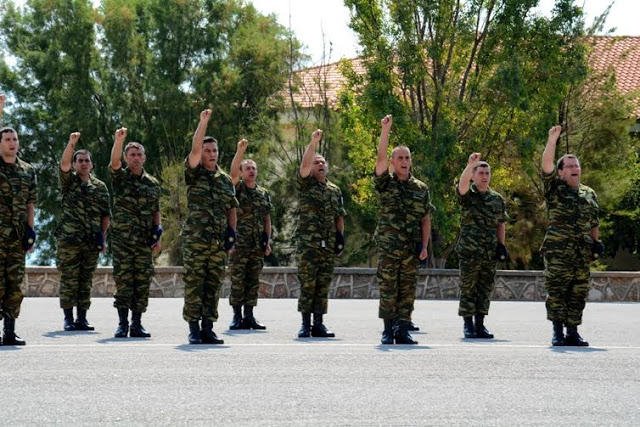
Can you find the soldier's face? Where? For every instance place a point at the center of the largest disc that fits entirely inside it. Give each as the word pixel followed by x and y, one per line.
pixel 83 165
pixel 135 158
pixel 9 144
pixel 249 171
pixel 401 162
pixel 209 157
pixel 319 168
pixel 482 177
pixel 571 172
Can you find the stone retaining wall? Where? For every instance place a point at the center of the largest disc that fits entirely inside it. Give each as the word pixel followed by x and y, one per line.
pixel 282 282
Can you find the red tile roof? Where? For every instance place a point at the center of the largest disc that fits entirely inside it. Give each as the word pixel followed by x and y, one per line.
pixel 622 53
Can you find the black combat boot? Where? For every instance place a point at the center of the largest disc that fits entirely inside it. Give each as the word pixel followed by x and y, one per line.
pixel 10 337
pixel 250 321
pixel 573 338
pixel 468 329
pixel 69 325
pixel 208 336
pixel 137 330
pixel 305 329
pixel 412 327
pixel 194 332
pixel 236 323
pixel 123 324
pixel 401 333
pixel 319 330
pixel 481 331
pixel 81 322
pixel 558 334
pixel 387 334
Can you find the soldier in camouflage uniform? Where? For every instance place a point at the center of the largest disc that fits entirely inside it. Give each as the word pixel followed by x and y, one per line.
pixel 17 205
pixel 481 244
pixel 81 233
pixel 570 243
pixel 136 232
pixel 208 234
pixel 402 236
pixel 254 230
pixel 320 238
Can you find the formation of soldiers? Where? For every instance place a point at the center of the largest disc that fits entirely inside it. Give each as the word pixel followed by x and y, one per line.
pixel 229 219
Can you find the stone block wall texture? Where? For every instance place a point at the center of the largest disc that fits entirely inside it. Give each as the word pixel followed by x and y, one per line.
pixel 282 282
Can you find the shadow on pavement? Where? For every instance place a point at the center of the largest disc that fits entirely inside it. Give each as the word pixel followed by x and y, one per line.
pixel 191 348
pixel 59 334
pixel 316 340
pixel 575 349
pixel 401 347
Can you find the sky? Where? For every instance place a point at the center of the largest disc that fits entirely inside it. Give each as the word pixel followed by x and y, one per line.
pixel 311 18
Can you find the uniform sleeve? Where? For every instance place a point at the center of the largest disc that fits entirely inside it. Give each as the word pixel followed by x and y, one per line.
pixel 303 183
pixel 595 222
pixel 105 204
pixel 549 182
pixel 156 201
pixel 381 181
pixel 341 211
pixel 463 199
pixel 190 174
pixel 230 191
pixel 504 217
pixel 33 188
pixel 269 204
pixel 64 178
pixel 429 209
pixel 117 176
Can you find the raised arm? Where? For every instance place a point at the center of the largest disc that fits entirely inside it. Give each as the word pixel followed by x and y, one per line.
pixel 382 162
pixel 67 154
pixel 467 173
pixel 550 150
pixel 237 160
pixel 116 150
pixel 196 145
pixel 307 158
pixel 3 98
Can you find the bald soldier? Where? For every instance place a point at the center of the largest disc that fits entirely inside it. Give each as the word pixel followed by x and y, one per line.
pixel 320 238
pixel 136 231
pixel 570 243
pixel 81 232
pixel 402 237
pixel 17 236
pixel 254 231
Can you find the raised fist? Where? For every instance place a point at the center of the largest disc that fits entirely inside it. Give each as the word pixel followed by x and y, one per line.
pixel 73 138
pixel 243 144
pixel 121 134
pixel 3 98
pixel 205 115
pixel 316 136
pixel 554 132
pixel 386 122
pixel 474 158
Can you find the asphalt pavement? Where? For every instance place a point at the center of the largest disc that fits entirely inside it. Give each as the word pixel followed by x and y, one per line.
pixel 271 377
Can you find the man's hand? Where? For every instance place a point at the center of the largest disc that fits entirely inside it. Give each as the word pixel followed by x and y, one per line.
pixel 386 123
pixel 121 134
pixel 29 239
pixel 230 239
pixel 339 243
pixel 242 145
pixel 502 255
pixel 205 115
pixel 316 137
pixel 74 138
pixel 554 133
pixel 474 158
pixel 597 250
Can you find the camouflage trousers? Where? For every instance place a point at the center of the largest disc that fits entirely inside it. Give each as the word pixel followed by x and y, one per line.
pixel 476 284
pixel 132 272
pixel 76 263
pixel 245 266
pixel 315 272
pixel 203 275
pixel 12 258
pixel 396 278
pixel 566 276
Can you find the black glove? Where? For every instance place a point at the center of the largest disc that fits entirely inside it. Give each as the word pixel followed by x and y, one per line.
pixel 597 250
pixel 230 238
pixel 502 254
pixel 155 236
pixel 264 241
pixel 339 243
pixel 29 238
pixel 99 241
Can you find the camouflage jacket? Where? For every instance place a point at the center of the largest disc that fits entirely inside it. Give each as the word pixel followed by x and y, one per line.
pixel 209 195
pixel 481 213
pixel 572 213
pixel 135 200
pixel 319 205
pixel 18 188
pixel 255 205
pixel 84 204
pixel 403 204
